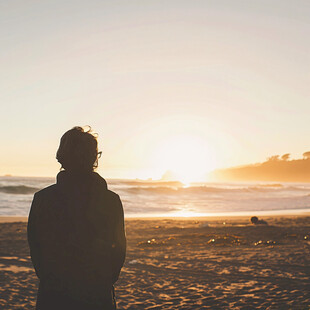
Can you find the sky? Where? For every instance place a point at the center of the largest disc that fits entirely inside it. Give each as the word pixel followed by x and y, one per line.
pixel 188 86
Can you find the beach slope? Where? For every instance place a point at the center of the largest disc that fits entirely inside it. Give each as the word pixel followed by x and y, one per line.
pixel 203 263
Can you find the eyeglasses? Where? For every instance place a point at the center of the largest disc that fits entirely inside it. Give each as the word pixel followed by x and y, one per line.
pixel 99 154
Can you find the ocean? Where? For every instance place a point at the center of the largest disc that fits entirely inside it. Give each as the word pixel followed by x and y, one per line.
pixel 158 198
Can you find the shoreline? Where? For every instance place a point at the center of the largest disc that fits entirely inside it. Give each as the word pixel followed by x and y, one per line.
pixel 211 217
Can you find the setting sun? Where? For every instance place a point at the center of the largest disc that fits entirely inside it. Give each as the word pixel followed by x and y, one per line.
pixel 187 156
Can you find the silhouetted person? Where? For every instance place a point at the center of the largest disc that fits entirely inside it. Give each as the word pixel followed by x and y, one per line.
pixel 256 221
pixel 76 231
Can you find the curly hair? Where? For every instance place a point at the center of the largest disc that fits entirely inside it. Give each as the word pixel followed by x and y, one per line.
pixel 78 150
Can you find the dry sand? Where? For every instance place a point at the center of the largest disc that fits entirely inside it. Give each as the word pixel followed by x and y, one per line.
pixel 214 263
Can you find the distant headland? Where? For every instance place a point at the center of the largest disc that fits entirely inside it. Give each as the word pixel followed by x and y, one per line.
pixel 276 169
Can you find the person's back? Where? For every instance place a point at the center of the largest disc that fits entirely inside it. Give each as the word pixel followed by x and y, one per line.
pixel 77 241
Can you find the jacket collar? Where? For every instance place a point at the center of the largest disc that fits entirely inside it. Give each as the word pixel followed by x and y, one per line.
pixel 75 179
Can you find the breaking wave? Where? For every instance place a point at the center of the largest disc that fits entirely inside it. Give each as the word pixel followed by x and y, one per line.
pixel 211 189
pixel 18 189
pixel 151 198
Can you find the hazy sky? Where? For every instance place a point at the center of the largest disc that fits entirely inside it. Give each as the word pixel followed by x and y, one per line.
pixel 165 84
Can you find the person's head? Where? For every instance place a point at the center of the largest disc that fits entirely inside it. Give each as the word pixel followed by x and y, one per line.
pixel 78 150
pixel 254 219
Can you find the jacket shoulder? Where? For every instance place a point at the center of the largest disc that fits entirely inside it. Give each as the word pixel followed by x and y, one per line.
pixel 47 191
pixel 112 194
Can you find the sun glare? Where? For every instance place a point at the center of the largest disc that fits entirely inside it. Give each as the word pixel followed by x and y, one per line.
pixel 188 157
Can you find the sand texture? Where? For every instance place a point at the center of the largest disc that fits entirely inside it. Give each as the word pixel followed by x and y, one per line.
pixel 218 263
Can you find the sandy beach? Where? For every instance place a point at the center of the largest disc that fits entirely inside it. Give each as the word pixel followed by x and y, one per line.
pixel 201 263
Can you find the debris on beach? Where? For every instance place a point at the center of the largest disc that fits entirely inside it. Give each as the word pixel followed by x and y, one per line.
pixel 221 240
pixel 268 242
pixel 153 242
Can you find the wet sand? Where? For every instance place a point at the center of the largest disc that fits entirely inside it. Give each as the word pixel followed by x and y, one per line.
pixel 203 263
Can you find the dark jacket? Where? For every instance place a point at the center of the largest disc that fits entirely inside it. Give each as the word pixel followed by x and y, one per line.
pixel 77 242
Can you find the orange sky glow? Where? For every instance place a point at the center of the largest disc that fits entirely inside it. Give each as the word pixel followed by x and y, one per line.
pixel 187 86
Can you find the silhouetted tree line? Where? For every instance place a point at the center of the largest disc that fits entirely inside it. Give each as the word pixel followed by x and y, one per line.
pixel 275 168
